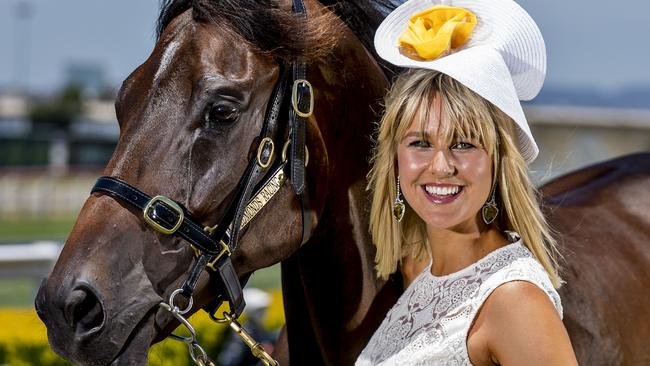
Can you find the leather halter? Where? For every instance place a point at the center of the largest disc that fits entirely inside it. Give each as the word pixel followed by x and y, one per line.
pixel 260 182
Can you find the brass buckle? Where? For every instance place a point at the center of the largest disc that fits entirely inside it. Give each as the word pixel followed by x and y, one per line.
pixel 224 250
pixel 294 98
pixel 260 150
pixel 286 147
pixel 171 205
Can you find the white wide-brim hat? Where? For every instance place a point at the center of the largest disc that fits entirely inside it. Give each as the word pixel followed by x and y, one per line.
pixel 504 61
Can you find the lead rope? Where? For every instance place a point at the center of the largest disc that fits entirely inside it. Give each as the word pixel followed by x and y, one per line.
pixel 197 352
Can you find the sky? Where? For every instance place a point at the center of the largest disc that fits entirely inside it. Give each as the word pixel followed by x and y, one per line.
pixel 591 44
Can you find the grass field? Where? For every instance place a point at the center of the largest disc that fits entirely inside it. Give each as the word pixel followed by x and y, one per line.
pixel 26 229
pixel 20 292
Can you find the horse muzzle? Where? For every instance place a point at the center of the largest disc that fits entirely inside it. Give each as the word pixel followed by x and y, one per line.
pixel 87 329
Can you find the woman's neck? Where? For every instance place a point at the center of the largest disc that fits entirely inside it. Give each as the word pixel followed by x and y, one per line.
pixel 453 249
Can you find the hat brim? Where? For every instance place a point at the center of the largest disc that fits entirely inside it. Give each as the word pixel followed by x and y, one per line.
pixel 481 65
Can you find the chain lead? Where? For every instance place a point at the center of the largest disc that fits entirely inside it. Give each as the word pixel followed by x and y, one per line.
pixel 202 359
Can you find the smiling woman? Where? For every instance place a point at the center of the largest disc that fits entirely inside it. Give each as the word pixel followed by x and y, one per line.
pixel 455 143
pixel 433 124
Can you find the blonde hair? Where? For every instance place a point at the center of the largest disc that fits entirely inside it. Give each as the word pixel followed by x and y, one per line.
pixel 470 117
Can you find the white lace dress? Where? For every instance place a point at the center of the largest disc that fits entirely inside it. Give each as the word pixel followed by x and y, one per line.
pixel 429 323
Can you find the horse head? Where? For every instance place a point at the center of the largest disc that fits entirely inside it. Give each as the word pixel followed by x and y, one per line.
pixel 190 120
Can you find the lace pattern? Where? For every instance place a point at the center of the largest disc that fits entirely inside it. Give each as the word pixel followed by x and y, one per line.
pixel 429 323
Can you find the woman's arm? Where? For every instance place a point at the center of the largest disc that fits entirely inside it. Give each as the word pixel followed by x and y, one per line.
pixel 522 327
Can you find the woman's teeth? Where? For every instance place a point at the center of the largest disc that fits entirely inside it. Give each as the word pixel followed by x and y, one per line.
pixel 442 191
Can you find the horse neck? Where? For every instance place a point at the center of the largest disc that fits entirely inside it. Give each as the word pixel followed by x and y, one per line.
pixel 330 284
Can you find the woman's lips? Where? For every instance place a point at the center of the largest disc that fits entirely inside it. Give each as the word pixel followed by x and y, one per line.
pixel 442 196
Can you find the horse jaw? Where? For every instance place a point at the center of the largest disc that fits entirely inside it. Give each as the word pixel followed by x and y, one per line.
pixel 135 350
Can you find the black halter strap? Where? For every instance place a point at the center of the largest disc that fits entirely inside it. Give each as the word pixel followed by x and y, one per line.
pixel 302 104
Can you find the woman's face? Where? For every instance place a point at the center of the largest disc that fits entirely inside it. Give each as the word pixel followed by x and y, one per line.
pixel 445 182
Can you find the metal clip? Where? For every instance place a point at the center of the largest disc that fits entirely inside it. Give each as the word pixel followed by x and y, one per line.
pixel 256 348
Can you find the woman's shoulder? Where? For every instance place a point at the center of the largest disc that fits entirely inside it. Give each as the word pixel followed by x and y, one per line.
pixel 519 310
pixel 520 319
pixel 528 271
pixel 515 262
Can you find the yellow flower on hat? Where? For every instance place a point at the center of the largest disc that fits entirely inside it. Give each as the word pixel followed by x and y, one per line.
pixel 434 32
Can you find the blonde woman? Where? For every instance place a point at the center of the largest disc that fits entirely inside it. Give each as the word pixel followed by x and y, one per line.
pixel 450 190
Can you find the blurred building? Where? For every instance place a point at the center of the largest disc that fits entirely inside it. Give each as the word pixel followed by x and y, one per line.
pixel 48 167
pixel 571 137
pixel 83 137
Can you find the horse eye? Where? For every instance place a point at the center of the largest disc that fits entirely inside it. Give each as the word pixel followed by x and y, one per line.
pixel 220 114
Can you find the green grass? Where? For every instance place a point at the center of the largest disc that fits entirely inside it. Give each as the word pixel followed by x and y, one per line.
pixel 20 292
pixel 17 292
pixel 266 278
pixel 26 229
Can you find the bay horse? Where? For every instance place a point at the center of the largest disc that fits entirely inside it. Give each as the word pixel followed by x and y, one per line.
pixel 602 218
pixel 190 120
pixel 189 117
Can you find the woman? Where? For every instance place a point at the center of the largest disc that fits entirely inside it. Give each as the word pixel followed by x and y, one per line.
pixel 450 189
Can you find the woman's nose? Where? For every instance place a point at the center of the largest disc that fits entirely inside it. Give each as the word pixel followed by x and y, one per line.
pixel 442 164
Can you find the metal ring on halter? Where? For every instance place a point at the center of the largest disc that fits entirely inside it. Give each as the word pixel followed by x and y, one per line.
pixel 171 302
pixel 186 323
pixel 202 357
pixel 260 149
pixel 182 320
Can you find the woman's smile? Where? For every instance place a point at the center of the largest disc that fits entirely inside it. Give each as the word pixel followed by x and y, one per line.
pixel 442 194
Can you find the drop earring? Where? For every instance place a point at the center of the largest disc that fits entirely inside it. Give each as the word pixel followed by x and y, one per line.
pixel 398 206
pixel 489 211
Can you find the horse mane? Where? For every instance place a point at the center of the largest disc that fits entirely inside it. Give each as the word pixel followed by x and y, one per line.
pixel 278 32
pixel 363 18
pixel 263 24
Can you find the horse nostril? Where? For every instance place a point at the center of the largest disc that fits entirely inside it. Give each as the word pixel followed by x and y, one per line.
pixel 83 311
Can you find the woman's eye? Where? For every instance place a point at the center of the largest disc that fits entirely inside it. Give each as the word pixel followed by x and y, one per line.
pixel 220 114
pixel 462 146
pixel 419 143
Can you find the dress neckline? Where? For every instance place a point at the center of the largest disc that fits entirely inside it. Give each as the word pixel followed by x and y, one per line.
pixel 510 235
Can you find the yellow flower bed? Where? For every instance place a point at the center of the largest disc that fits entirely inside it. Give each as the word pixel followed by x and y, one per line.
pixel 23 338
